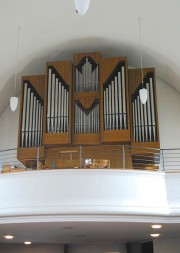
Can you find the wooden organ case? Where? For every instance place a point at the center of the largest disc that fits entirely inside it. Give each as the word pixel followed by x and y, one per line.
pixel 90 102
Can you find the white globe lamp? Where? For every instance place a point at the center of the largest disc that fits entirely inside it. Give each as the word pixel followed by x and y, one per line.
pixel 143 95
pixel 13 103
pixel 82 6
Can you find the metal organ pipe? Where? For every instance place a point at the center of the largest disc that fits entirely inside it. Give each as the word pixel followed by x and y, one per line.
pixel 27 118
pixel 124 98
pixel 119 101
pixel 153 108
pixel 116 101
pixel 56 105
pixel 23 128
pixel 48 124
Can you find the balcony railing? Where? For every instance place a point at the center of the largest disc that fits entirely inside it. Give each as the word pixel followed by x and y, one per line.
pixel 90 157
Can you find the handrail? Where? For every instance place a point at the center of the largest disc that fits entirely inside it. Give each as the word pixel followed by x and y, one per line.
pixel 100 156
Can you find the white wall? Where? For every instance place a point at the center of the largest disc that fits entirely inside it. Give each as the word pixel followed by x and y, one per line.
pixel 166 246
pixel 169 115
pixel 9 128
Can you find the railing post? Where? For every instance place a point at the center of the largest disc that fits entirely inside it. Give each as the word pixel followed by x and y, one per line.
pixel 1 160
pixel 123 157
pixel 162 157
pixel 80 156
pixel 37 158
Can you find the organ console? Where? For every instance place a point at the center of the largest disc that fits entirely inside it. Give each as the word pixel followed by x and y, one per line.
pixel 91 101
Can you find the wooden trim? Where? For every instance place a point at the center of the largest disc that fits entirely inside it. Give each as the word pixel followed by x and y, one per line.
pixel 86 139
pixel 116 136
pixel 56 138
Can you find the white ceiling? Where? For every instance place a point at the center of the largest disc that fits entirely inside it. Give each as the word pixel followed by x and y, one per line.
pixel 52 30
pixel 86 232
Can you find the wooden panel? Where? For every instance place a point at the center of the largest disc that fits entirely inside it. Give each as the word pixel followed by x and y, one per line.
pixel 118 156
pixel 135 78
pixel 108 65
pixel 146 156
pixel 145 147
pixel 28 156
pixel 86 139
pixel 86 98
pixel 116 136
pixel 64 68
pixel 56 138
pixel 38 82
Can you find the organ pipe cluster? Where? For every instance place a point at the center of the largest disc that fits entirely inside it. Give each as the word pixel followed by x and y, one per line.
pixel 86 121
pixel 115 113
pixel 57 103
pixel 144 118
pixel 87 76
pixel 32 117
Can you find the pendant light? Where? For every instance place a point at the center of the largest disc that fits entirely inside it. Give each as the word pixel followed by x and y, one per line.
pixel 142 91
pixel 14 99
pixel 82 6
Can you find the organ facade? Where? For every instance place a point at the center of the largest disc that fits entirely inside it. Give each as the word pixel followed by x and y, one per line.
pixel 90 103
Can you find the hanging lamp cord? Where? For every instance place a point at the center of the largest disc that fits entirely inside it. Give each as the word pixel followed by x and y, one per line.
pixel 140 51
pixel 17 58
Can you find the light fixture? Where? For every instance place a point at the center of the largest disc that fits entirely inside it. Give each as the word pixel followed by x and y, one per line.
pixel 82 6
pixel 27 243
pixel 14 99
pixel 143 95
pixel 8 237
pixel 13 103
pixel 68 227
pixel 155 235
pixel 156 226
pixel 142 91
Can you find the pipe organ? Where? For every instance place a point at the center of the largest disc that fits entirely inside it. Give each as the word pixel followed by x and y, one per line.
pixel 90 100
